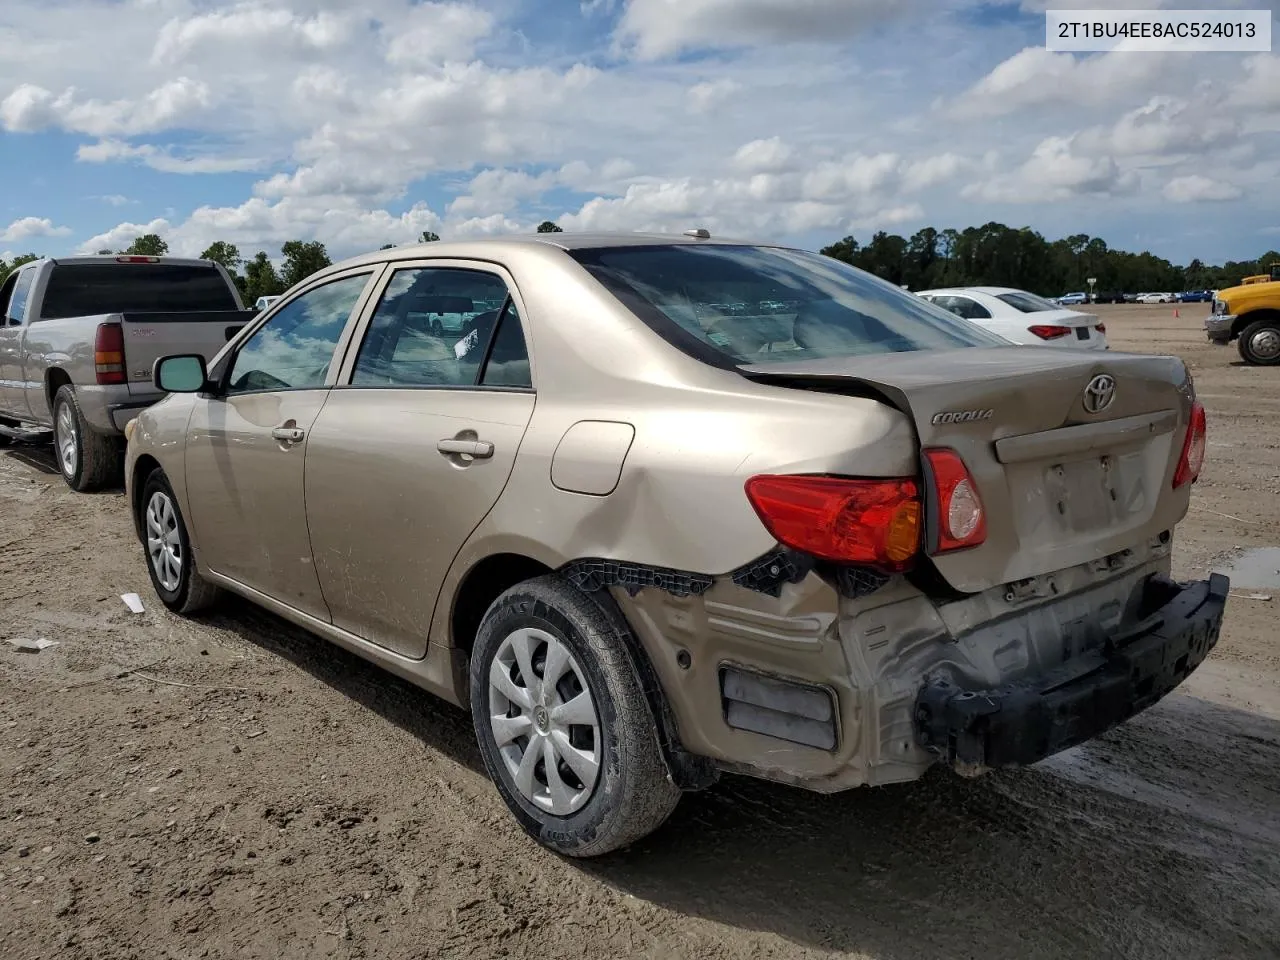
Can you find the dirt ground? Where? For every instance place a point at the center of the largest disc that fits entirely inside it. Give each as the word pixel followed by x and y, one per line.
pixel 246 790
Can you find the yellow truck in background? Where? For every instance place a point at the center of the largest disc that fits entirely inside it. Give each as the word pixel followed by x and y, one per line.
pixel 1249 314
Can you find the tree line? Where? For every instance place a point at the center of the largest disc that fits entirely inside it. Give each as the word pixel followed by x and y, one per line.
pixel 993 254
pixel 999 255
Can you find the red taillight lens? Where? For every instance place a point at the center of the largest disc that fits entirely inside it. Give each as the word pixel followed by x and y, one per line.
pixel 960 518
pixel 871 522
pixel 1193 448
pixel 1102 328
pixel 137 259
pixel 108 353
pixel 1049 332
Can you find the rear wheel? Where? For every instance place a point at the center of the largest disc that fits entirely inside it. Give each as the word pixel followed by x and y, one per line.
pixel 170 561
pixel 563 724
pixel 87 459
pixel 1260 342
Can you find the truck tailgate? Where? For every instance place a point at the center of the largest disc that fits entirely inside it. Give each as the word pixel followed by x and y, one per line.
pixel 150 336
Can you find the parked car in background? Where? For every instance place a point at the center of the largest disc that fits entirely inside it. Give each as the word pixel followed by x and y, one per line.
pixel 1157 298
pixel 1072 299
pixel 1109 296
pixel 1195 296
pixel 1250 314
pixel 1022 317
pixel 829 545
pixel 263 302
pixel 79 338
pixel 1131 297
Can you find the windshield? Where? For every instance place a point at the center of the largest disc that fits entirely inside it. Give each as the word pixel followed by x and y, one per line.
pixel 89 289
pixel 734 305
pixel 1026 302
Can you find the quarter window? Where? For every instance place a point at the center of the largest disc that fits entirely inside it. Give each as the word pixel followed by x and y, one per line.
pixel 21 291
pixel 294 349
pixel 435 327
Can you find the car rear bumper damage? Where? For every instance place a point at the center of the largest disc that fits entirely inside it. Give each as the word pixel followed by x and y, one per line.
pixel 1021 723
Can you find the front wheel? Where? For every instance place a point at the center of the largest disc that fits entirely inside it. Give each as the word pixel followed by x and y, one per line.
pixel 1260 343
pixel 87 459
pixel 564 727
pixel 170 561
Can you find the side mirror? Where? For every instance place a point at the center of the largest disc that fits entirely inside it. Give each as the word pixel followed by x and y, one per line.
pixel 184 373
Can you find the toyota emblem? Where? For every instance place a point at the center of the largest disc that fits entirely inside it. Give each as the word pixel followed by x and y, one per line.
pixel 1099 393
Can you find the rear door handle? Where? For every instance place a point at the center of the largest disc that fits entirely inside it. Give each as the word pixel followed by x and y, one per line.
pixel 479 449
pixel 288 434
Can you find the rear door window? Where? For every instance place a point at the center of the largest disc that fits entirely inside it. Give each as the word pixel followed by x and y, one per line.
pixel 21 293
pixel 443 327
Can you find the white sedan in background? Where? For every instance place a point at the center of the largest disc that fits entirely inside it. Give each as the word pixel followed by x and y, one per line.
pixel 1157 298
pixel 1022 317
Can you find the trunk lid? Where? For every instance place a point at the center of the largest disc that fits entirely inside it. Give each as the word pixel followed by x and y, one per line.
pixel 150 336
pixel 1062 482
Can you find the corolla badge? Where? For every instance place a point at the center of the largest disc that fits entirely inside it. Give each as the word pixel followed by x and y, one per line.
pixel 1099 393
pixel 962 416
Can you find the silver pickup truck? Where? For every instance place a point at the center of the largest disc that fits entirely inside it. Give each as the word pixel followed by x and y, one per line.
pixel 78 338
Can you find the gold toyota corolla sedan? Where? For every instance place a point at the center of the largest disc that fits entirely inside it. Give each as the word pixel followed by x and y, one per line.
pixel 653 508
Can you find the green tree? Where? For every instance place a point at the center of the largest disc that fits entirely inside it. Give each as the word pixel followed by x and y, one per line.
pixel 547 226
pixel 15 263
pixel 227 254
pixel 845 250
pixel 260 278
pixel 428 237
pixel 147 245
pixel 302 258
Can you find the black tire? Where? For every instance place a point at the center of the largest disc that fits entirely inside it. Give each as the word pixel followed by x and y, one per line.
pixel 1260 342
pixel 96 460
pixel 634 793
pixel 193 592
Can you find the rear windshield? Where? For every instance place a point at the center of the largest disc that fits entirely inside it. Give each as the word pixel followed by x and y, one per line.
pixel 1027 302
pixel 733 305
pixel 88 289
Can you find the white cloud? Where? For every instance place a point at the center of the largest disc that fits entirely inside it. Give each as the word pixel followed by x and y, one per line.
pixel 31 108
pixel 123 234
pixel 763 156
pixel 710 94
pixel 158 158
pixel 661 28
pixel 30 228
pixel 1199 189
pixel 438 33
pixel 114 199
pixel 1055 171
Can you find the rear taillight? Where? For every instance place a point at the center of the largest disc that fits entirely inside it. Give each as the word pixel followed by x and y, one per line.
pixel 137 259
pixel 108 353
pixel 1102 328
pixel 1049 331
pixel 956 508
pixel 875 523
pixel 1193 448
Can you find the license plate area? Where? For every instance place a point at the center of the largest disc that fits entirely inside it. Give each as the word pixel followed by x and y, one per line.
pixel 1082 333
pixel 1093 493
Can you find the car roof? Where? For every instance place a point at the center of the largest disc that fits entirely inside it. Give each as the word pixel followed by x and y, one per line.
pixel 988 291
pixel 479 248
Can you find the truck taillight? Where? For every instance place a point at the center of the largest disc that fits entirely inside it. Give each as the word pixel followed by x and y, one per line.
pixel 1102 328
pixel 1193 448
pixel 133 258
pixel 1047 331
pixel 957 517
pixel 108 353
pixel 875 523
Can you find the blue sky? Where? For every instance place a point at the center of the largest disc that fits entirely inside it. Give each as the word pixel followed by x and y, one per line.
pixel 358 125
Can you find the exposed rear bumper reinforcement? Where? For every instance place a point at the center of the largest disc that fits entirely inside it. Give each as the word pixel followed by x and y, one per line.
pixel 1021 723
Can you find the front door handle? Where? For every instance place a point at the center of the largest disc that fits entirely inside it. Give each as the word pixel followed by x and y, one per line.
pixel 288 434
pixel 478 449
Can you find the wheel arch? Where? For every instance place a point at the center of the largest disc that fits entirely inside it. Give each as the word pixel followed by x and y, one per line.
pixel 490 577
pixel 55 378
pixel 1253 316
pixel 142 468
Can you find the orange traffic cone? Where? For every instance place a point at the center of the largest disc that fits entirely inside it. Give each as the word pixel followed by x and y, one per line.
pixel 1176 315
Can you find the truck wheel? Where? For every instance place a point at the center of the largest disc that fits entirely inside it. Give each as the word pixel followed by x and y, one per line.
pixel 170 560
pixel 88 460
pixel 1260 342
pixel 563 724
